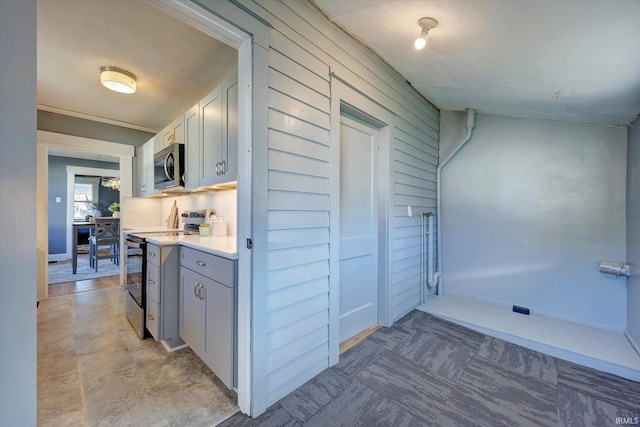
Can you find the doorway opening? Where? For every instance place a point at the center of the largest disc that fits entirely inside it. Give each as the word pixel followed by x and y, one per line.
pixel 360 215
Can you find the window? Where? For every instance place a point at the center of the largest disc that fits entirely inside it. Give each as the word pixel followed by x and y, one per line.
pixel 83 198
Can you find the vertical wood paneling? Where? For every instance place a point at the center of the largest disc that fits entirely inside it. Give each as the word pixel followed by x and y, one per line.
pixel 304 49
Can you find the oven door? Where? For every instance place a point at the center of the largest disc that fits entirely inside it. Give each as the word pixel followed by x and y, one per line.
pixel 136 291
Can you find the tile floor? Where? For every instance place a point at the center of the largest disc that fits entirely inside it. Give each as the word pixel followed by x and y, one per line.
pixel 93 370
pixel 424 371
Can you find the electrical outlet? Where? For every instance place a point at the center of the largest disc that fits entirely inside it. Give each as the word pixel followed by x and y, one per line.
pixel 409 213
pixel 58 199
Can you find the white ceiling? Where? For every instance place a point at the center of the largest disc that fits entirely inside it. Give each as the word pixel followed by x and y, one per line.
pixel 175 65
pixel 552 59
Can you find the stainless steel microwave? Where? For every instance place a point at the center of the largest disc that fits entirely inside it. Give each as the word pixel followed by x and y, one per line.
pixel 168 168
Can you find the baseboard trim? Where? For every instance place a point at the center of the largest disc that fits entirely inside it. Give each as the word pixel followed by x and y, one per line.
pixel 58 257
pixel 633 343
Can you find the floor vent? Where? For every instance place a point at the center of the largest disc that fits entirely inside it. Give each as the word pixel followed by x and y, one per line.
pixel 521 310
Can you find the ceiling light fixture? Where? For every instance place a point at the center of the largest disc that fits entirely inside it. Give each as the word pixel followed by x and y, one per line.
pixel 117 79
pixel 426 24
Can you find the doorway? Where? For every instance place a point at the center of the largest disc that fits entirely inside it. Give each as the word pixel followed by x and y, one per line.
pixel 361 211
pixel 358 226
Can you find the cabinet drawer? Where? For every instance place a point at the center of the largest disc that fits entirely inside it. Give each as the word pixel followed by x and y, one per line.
pixel 153 282
pixel 151 321
pixel 153 254
pixel 220 269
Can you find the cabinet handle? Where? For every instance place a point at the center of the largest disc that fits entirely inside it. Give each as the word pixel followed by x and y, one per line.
pixel 218 168
pixel 152 254
pixel 195 290
pixel 200 293
pixel 150 317
pixel 223 167
pixel 200 263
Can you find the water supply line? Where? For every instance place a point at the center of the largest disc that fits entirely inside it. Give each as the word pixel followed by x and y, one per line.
pixel 436 278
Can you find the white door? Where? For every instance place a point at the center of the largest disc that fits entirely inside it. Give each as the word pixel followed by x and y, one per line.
pixel 358 227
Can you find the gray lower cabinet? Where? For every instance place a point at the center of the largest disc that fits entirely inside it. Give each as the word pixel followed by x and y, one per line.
pixel 162 283
pixel 208 310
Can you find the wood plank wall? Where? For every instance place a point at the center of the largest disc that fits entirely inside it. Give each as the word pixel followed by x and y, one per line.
pixel 304 50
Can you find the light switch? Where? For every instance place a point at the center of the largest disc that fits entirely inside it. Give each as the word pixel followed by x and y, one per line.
pixel 409 213
pixel 58 199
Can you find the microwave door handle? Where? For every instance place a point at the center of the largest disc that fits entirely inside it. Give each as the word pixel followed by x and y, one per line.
pixel 166 172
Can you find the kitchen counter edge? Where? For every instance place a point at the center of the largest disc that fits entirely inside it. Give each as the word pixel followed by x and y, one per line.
pixel 221 246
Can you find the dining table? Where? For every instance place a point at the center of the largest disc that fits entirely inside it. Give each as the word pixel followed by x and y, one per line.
pixel 77 226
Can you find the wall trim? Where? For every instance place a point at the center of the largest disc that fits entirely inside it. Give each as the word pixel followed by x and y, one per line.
pixel 633 343
pixel 72 171
pixel 93 118
pixel 86 145
pixel 74 143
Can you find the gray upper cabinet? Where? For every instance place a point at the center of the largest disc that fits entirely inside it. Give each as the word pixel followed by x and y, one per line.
pixel 229 166
pixel 209 131
pixel 145 153
pixel 212 134
pixel 193 157
pixel 211 137
pixel 172 133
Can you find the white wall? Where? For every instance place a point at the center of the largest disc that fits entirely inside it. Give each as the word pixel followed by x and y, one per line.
pixel 530 208
pixel 18 256
pixel 633 232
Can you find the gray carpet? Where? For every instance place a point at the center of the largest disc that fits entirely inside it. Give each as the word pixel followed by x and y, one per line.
pixel 425 371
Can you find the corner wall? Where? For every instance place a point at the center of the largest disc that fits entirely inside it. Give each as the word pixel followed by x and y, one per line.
pixel 633 231
pixel 530 208
pixel 18 255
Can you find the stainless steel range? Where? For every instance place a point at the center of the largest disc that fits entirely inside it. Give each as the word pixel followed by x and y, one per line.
pixel 136 254
pixel 137 276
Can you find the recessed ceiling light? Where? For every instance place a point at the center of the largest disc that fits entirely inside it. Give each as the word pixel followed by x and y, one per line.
pixel 117 79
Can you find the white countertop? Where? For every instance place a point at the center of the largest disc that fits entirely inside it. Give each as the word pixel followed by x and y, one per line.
pixel 148 229
pixel 221 246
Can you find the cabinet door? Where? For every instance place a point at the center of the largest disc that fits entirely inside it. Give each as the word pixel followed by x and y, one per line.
pixel 192 315
pixel 177 128
pixel 230 123
pixel 152 322
pixel 211 148
pixel 149 153
pixel 193 159
pixel 172 133
pixel 142 175
pixel 153 282
pixel 220 330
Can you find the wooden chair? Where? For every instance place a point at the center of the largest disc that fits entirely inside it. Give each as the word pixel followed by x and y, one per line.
pixel 105 234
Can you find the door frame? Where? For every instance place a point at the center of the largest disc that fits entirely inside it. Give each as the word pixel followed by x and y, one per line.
pixel 234 25
pixel 72 171
pixel 346 99
pixel 46 140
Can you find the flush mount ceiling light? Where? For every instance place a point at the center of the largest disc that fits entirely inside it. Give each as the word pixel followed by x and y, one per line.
pixel 426 24
pixel 117 79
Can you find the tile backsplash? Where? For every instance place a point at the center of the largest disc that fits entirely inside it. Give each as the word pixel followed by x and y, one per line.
pixel 224 202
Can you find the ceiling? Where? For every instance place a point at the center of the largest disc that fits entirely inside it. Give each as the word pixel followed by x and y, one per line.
pixel 551 59
pixel 175 64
